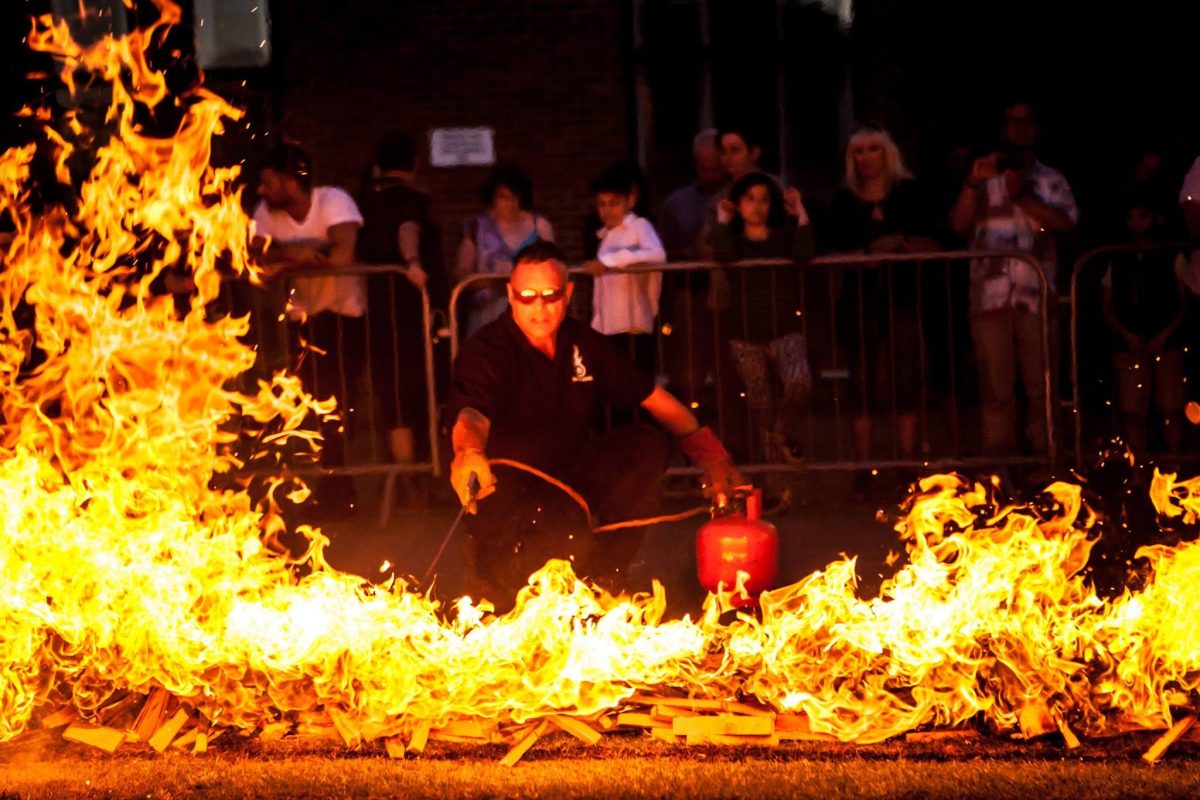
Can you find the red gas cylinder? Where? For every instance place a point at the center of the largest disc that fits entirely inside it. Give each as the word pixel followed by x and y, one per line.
pixel 731 543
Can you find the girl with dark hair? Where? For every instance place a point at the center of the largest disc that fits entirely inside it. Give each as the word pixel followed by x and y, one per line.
pixel 492 237
pixel 764 324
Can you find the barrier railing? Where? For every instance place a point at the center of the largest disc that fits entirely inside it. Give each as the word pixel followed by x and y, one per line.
pixel 858 289
pixel 1098 355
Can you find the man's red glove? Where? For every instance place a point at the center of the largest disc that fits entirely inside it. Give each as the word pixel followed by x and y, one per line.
pixel 705 451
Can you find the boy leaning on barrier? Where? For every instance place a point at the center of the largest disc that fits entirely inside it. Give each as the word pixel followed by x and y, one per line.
pixel 625 305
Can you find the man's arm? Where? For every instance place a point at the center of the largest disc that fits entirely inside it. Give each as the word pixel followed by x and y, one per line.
pixel 700 445
pixel 338 254
pixel 1052 220
pixel 409 236
pixel 670 413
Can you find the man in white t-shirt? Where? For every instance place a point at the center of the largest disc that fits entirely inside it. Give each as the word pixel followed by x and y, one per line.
pixel 314 229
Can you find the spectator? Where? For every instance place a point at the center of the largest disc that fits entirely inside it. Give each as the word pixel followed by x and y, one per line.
pixel 492 237
pixel 741 149
pixel 316 228
pixel 682 225
pixel 766 342
pixel 625 306
pixel 881 209
pixel 398 228
pixel 1144 302
pixel 1189 201
pixel 1012 201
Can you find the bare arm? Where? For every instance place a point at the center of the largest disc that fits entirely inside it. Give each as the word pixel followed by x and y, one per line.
pixel 338 254
pixel 410 250
pixel 670 413
pixel 1053 220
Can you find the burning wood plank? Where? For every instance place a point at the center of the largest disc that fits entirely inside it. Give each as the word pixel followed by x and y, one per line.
pixel 577 728
pixel 1167 739
pixel 98 736
pixel 1072 741
pixel 664 735
pixel 466 731
pixel 394 747
pixel 419 738
pixel 150 718
pixel 942 736
pixel 274 731
pixel 168 730
pixel 637 720
pixel 59 718
pixel 722 725
pixel 520 748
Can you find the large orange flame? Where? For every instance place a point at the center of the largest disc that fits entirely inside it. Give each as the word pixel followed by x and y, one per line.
pixel 124 569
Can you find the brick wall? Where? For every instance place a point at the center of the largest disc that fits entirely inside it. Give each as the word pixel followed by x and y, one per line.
pixel 549 77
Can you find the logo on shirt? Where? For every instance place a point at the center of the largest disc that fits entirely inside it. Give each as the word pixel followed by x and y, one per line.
pixel 581 373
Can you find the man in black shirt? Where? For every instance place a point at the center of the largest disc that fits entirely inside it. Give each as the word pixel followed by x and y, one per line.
pixel 398 228
pixel 527 387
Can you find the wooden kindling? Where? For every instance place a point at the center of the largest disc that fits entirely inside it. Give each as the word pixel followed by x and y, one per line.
pixel 98 736
pixel 150 718
pixel 1157 749
pixel 520 748
pixel 169 729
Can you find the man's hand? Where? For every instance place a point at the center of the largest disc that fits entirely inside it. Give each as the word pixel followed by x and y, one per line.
pixel 594 267
pixel 466 463
pixel 705 451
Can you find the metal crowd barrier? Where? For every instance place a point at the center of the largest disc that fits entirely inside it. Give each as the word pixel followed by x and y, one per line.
pixel 377 370
pixel 1095 364
pixel 834 399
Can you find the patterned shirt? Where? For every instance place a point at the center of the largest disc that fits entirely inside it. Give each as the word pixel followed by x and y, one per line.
pixel 998 283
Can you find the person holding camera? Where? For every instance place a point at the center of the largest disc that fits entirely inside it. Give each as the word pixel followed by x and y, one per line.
pixel 1012 201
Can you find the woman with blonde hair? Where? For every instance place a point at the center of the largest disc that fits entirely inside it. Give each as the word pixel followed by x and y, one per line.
pixel 880 209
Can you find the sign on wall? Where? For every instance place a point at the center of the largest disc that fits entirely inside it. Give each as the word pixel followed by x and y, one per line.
pixel 462 147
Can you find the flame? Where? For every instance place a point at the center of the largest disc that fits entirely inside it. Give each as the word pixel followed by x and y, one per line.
pixel 129 566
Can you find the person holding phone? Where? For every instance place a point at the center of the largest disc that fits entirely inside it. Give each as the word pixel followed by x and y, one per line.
pixel 1012 201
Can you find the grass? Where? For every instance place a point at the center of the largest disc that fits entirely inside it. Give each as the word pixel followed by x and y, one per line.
pixel 618 767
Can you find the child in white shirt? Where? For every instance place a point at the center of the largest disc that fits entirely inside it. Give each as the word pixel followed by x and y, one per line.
pixel 624 306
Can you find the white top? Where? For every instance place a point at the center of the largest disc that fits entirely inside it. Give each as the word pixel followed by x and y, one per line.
pixel 1190 193
pixel 628 303
pixel 330 206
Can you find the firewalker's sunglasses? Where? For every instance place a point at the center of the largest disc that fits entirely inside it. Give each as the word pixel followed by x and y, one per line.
pixel 527 297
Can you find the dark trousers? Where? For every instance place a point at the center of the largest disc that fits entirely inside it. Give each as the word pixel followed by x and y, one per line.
pixel 527 522
pixel 335 373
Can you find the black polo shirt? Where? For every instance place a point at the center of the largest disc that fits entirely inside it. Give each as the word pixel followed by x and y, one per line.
pixel 542 410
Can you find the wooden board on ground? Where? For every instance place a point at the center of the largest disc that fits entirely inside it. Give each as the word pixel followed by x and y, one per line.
pixel 98 736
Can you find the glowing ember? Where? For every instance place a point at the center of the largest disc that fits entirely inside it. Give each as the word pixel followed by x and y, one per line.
pixel 126 570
